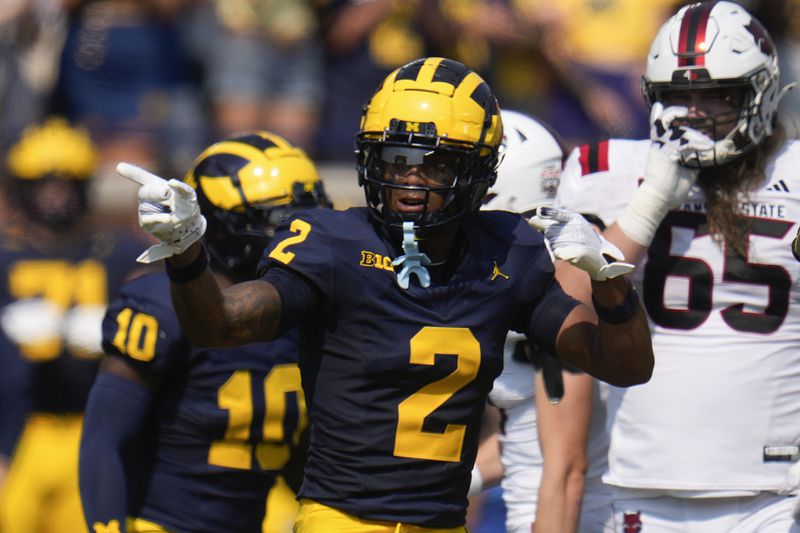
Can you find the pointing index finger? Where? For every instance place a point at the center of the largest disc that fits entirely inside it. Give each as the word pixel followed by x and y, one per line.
pixel 138 174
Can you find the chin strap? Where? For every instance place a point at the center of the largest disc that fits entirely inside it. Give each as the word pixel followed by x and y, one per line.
pixel 413 261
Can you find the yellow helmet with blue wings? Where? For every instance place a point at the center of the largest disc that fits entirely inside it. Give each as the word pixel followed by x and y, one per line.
pixel 246 185
pixel 430 107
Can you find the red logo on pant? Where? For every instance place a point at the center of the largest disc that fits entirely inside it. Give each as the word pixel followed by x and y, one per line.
pixel 631 522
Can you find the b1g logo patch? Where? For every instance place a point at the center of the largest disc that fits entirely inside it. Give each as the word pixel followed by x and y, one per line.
pixel 381 262
pixel 631 522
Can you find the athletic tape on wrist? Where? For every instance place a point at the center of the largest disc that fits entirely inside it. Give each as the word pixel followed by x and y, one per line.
pixel 643 215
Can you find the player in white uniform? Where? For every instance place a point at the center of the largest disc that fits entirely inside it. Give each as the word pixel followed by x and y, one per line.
pixel 706 444
pixel 528 177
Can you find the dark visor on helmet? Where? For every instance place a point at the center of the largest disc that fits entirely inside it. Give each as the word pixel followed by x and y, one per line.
pixel 439 166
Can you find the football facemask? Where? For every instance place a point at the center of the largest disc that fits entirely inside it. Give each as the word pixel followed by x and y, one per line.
pixel 430 134
pixel 718 46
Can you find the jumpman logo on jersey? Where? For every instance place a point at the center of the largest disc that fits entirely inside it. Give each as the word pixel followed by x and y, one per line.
pixel 496 272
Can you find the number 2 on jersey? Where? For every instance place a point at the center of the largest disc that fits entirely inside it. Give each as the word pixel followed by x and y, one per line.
pixel 410 439
pixel 302 228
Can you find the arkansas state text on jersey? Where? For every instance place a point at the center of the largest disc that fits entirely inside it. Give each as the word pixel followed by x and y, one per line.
pixel 723 403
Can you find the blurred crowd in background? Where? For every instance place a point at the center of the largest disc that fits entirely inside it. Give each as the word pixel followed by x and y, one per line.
pixel 155 81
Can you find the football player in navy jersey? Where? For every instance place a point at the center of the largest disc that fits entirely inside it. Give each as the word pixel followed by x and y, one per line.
pixel 182 438
pixel 57 274
pixel 404 305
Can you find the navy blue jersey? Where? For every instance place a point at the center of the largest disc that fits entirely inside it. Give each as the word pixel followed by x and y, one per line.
pixel 224 420
pixel 13 396
pixel 397 379
pixel 83 272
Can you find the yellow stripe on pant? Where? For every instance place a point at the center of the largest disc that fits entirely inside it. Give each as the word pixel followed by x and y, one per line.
pixel 315 517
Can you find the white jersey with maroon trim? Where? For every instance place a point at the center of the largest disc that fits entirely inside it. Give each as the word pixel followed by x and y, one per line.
pixel 722 410
pixel 513 393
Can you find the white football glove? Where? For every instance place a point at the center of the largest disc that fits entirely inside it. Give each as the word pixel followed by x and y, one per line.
pixel 82 330
pixel 168 211
pixel 31 321
pixel 574 240
pixel 666 182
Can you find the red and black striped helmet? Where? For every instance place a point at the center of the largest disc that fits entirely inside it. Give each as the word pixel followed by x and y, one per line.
pixel 718 47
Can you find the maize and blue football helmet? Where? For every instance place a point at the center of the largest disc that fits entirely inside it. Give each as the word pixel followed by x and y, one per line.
pixel 246 185
pixel 440 116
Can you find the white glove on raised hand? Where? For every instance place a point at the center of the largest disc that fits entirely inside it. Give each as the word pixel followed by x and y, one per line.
pixel 666 182
pixel 168 211
pixel 31 321
pixel 574 240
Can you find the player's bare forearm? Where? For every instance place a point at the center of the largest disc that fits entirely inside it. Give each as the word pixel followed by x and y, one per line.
pixel 634 252
pixel 563 430
pixel 243 313
pixel 559 504
pixel 626 349
pixel 619 354
pixel 488 458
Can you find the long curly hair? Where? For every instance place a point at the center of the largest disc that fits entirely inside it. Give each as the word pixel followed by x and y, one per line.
pixel 725 188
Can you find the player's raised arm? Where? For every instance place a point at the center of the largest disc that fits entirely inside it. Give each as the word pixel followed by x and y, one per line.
pixel 610 339
pixel 666 183
pixel 242 313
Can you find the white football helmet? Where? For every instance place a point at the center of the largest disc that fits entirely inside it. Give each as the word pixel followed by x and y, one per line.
pixel 718 46
pixel 530 169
